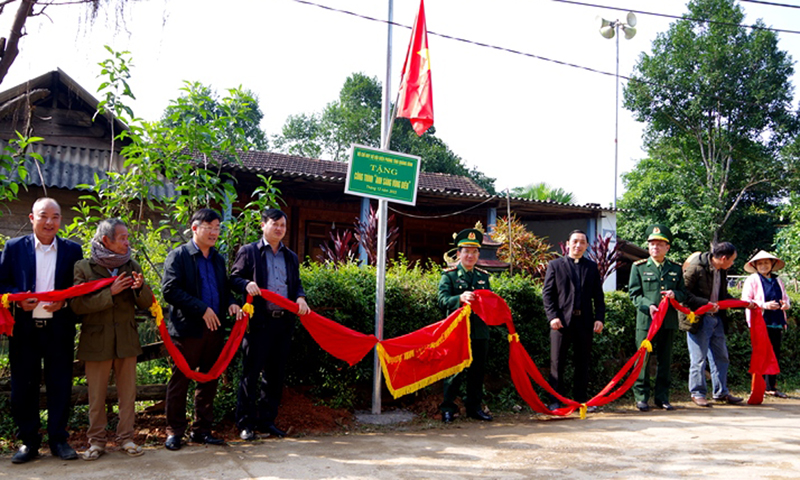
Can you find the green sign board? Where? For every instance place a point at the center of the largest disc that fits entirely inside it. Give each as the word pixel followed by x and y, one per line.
pixel 383 174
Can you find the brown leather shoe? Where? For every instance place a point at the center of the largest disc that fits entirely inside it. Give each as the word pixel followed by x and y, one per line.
pixel 701 401
pixel 729 399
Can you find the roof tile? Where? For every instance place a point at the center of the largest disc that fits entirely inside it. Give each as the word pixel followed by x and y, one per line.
pixel 268 162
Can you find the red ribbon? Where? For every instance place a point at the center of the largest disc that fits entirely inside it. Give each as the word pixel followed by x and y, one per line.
pixel 222 362
pixel 7 320
pixel 351 346
pixel 762 358
pixel 494 311
pixel 228 351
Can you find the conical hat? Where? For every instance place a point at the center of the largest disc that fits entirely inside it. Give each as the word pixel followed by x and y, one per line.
pixel 750 266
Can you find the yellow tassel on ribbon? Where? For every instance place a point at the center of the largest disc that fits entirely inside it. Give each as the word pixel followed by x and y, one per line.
pixel 6 303
pixel 155 310
pixel 462 317
pixel 248 309
pixel 691 317
pixel 583 411
pixel 513 338
pixel 647 345
pixel 386 359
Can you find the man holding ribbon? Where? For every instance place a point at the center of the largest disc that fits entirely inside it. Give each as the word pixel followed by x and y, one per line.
pixel 196 284
pixel 651 279
pixel 456 289
pixel 267 264
pixel 706 279
pixel 109 333
pixel 43 331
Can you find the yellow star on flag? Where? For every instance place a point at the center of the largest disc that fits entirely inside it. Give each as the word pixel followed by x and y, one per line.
pixel 425 53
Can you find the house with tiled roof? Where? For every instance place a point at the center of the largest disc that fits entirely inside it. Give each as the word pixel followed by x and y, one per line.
pixel 75 149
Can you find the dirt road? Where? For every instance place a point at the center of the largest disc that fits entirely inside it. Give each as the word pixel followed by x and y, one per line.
pixel 722 442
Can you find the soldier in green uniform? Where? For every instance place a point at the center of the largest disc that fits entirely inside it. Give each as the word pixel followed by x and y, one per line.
pixel 455 290
pixel 652 279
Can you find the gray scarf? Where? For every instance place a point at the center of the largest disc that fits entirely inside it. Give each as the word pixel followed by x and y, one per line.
pixel 108 259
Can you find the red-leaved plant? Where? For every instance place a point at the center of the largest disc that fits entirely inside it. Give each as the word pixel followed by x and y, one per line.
pixel 608 260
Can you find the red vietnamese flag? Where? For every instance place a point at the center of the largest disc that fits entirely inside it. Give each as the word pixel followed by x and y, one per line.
pixel 415 99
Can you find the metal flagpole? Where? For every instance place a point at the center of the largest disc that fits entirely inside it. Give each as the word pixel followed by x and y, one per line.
pixel 616 122
pixel 386 119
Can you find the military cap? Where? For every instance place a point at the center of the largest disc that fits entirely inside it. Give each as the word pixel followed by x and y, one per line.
pixel 659 232
pixel 469 237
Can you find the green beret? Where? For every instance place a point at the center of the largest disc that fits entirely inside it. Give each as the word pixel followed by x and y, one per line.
pixel 659 232
pixel 469 237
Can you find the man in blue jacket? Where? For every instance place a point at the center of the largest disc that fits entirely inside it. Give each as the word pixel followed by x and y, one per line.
pixel 270 265
pixel 41 262
pixel 195 283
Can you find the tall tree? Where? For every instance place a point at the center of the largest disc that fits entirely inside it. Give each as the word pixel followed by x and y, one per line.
pixel 356 118
pixel 26 9
pixel 716 98
pixel 201 105
pixel 787 239
pixel 544 192
pixel 12 159
pixel 187 149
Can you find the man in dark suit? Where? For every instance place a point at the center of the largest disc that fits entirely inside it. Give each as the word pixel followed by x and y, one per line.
pixel 196 284
pixel 41 262
pixel 270 265
pixel 575 307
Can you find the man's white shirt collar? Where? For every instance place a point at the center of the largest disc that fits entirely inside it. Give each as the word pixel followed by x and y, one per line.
pixel 38 245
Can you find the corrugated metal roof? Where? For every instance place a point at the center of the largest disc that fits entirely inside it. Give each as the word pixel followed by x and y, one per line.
pixel 68 167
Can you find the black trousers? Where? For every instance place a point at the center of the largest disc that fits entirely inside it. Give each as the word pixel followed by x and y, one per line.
pixel 199 353
pixel 474 374
pixel 775 337
pixel 265 352
pixel 53 344
pixel 662 349
pixel 577 335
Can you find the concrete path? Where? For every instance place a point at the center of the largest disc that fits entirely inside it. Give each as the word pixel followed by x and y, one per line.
pixel 741 442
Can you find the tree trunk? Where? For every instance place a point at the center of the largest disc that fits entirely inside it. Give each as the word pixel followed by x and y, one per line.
pixel 12 45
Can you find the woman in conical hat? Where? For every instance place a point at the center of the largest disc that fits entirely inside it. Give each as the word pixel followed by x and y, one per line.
pixel 766 290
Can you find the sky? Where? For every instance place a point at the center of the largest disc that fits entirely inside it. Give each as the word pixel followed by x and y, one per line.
pixel 519 119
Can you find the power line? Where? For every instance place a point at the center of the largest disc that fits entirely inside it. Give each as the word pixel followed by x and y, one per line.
pixel 771 4
pixel 678 17
pixel 462 40
pixel 510 50
pixel 446 215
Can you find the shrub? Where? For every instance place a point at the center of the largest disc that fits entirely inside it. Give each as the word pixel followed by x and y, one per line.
pixel 529 253
pixel 347 295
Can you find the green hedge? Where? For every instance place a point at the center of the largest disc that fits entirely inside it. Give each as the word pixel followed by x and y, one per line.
pixel 347 294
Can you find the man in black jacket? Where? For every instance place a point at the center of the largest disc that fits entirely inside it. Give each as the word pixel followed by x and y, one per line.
pixel 43 332
pixel 575 307
pixel 706 278
pixel 270 265
pixel 196 285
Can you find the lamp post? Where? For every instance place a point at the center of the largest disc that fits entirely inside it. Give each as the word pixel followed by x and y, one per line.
pixel 610 29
